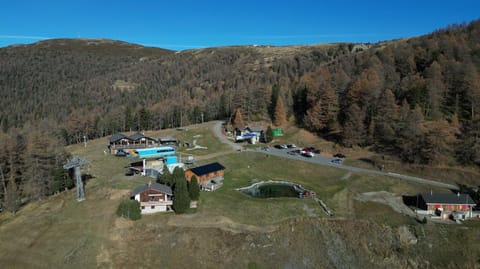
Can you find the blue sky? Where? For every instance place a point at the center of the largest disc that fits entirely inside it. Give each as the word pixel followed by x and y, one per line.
pixel 185 24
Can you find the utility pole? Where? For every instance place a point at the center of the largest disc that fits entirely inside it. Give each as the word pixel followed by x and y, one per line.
pixel 85 140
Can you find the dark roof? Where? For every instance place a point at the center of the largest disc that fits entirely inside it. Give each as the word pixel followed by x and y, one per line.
pixel 154 186
pixel 447 198
pixel 167 139
pixel 138 136
pixel 255 129
pixel 115 137
pixel 207 169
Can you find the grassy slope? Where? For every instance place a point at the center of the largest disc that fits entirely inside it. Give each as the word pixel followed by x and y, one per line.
pixel 61 233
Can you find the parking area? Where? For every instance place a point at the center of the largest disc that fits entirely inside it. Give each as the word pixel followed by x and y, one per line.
pixel 309 154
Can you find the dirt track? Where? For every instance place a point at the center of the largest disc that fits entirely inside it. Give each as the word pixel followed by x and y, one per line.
pixel 390 199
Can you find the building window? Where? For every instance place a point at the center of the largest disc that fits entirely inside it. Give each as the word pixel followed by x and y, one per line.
pixel 153 207
pixel 143 207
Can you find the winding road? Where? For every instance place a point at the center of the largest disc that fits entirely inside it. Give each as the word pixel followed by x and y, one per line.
pixel 317 159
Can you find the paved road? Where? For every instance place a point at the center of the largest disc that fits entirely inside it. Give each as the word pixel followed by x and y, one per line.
pixel 318 159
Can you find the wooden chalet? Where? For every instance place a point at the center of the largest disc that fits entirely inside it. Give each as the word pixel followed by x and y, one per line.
pixel 119 140
pixel 153 197
pixel 122 143
pixel 448 204
pixel 210 176
pixel 140 140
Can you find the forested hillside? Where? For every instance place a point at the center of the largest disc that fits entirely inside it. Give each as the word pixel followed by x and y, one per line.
pixel 415 98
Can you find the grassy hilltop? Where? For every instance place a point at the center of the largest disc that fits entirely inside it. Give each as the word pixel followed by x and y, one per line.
pixel 230 229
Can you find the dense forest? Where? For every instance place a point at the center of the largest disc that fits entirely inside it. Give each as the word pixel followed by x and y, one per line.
pixel 414 98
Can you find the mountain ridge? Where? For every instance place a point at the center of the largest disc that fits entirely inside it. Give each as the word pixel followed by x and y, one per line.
pixel 64 78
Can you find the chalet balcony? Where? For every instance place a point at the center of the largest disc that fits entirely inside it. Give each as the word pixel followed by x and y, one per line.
pixel 156 203
pixel 133 146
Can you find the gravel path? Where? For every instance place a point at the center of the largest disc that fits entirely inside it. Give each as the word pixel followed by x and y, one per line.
pixel 217 130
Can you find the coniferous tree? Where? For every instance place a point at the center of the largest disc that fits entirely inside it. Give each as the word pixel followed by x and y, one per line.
pixel 269 134
pixel 238 120
pixel 410 138
pixel 439 144
pixel 353 129
pixel 165 177
pixel 193 189
pixel 312 118
pixel 273 101
pixel 435 91
pixel 385 121
pixel 471 85
pixel 178 175
pixel 468 151
pixel 181 199
pixel 144 119
pixel 12 198
pixel 280 116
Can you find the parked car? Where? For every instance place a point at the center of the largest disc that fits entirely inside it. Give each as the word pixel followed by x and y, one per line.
pixel 305 150
pixel 121 153
pixel 339 155
pixel 292 152
pixel 336 161
pixel 280 146
pixel 291 146
pixel 308 154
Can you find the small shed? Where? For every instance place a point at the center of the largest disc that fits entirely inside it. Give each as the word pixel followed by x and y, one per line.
pixel 168 141
pixel 277 132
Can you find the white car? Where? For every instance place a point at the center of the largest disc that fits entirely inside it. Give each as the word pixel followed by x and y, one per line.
pixel 308 154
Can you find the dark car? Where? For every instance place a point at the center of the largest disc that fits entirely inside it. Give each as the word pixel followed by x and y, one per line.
pixel 121 153
pixel 291 146
pixel 280 146
pixel 339 155
pixel 336 161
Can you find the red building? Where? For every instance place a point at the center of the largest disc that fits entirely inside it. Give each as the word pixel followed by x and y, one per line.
pixel 448 204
